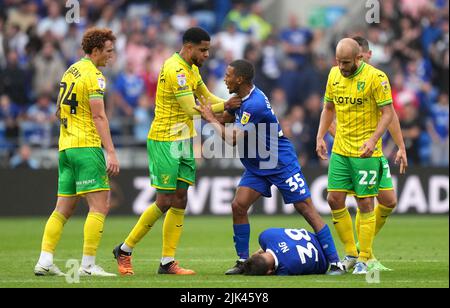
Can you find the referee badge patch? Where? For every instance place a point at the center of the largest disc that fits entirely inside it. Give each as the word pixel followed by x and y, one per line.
pixel 181 79
pixel 245 118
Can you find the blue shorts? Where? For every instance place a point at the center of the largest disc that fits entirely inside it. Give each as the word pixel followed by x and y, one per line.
pixel 291 184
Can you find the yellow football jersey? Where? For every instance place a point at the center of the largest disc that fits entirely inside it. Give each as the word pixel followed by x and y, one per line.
pixel 177 78
pixel 357 100
pixel 79 83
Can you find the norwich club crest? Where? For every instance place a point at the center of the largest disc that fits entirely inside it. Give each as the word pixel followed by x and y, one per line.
pixel 361 85
pixel 165 179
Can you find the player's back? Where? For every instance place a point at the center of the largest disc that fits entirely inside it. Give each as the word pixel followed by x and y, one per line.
pixel 81 82
pixel 296 251
pixel 273 152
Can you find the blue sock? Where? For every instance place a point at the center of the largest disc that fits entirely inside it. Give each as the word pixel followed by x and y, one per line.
pixel 327 243
pixel 241 240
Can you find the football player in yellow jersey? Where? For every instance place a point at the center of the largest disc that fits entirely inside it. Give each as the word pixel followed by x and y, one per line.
pixel 83 171
pixel 387 199
pixel 171 161
pixel 360 97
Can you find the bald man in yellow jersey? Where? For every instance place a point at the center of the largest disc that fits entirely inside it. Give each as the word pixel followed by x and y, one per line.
pixel 387 199
pixel 82 170
pixel 360 97
pixel 171 161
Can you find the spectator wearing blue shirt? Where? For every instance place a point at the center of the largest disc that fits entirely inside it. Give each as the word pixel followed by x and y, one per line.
pixel 40 118
pixel 296 42
pixel 143 117
pixel 23 160
pixel 8 121
pixel 128 87
pixel 438 129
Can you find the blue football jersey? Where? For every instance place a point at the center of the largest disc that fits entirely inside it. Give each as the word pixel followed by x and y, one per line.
pixel 265 150
pixel 296 251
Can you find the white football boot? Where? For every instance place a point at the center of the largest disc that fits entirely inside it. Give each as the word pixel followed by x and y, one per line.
pixel 94 270
pixel 52 270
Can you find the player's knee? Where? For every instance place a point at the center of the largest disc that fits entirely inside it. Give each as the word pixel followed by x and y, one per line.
pixel 164 201
pixel 303 207
pixel 238 209
pixel 101 208
pixel 390 203
pixel 387 199
pixel 334 201
pixel 180 201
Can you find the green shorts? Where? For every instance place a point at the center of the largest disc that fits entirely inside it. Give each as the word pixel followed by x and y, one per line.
pixel 386 178
pixel 171 164
pixel 81 171
pixel 354 175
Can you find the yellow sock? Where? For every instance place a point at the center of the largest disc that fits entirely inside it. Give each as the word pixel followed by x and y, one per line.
pixel 366 236
pixel 343 224
pixel 52 232
pixel 144 224
pixel 381 213
pixel 93 231
pixel 172 228
pixel 357 223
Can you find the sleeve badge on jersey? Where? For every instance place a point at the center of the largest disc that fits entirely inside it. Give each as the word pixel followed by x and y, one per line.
pixel 245 118
pixel 101 83
pixel 181 79
pixel 385 86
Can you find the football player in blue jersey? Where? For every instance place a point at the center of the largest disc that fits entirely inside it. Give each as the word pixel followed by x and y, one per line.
pixel 269 159
pixel 287 252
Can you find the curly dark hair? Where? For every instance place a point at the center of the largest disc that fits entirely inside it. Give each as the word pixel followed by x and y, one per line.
pixel 96 38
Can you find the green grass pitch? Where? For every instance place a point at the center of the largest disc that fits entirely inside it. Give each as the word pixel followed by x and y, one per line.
pixel 415 247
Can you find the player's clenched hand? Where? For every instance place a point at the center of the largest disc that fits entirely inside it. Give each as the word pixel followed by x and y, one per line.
pixel 233 103
pixel 401 158
pixel 112 165
pixel 367 149
pixel 321 149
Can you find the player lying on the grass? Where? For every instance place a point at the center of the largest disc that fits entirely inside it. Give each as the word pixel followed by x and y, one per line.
pixel 255 118
pixel 287 252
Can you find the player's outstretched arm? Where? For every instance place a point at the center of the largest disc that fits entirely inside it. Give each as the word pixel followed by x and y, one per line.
pixel 226 117
pixel 187 102
pixel 218 104
pixel 230 136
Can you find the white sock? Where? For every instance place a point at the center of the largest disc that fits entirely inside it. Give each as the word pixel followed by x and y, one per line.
pixel 126 248
pixel 45 259
pixel 87 261
pixel 165 260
